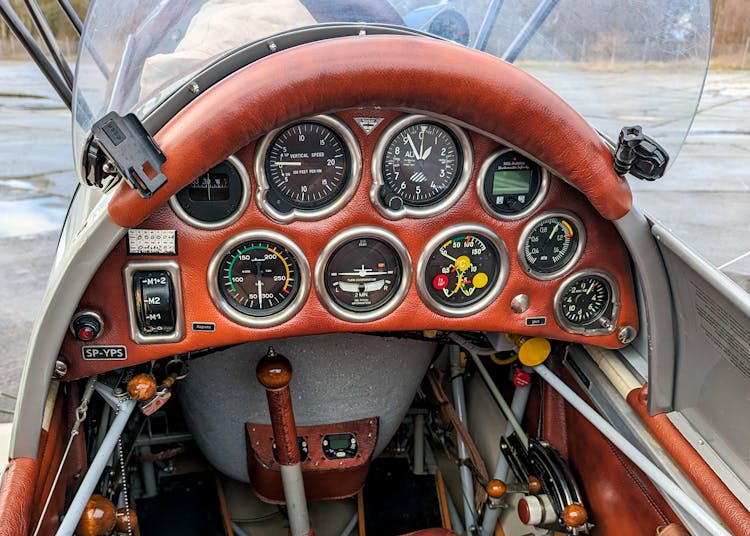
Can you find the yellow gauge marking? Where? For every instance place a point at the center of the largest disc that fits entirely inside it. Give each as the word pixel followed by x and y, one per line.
pixel 568 227
pixel 463 263
pixel 286 266
pixel 480 280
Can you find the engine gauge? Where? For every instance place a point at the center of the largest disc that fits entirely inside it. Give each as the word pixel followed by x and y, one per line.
pixel 551 244
pixel 511 185
pixel 587 303
pixel 259 278
pixel 462 270
pixel 306 170
pixel 363 274
pixel 215 199
pixel 420 167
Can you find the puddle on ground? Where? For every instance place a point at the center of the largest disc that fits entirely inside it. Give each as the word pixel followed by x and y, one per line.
pixel 23 217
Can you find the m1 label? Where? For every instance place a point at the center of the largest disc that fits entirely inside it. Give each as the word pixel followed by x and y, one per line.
pixel 104 353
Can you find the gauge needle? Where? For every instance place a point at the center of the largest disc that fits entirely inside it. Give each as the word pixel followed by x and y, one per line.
pixel 413 147
pixel 260 294
pixel 554 230
pixel 591 286
pixel 288 164
pixel 426 153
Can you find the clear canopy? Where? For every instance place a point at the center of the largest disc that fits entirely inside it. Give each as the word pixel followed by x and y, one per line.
pixel 618 62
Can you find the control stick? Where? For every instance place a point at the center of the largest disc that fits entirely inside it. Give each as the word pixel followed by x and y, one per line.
pixel 274 372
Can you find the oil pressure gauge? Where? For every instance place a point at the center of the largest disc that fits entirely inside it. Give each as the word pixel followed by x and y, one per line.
pixel 462 270
pixel 588 303
pixel 551 244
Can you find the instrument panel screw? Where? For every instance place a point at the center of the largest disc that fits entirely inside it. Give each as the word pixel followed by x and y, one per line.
pixel 61 369
pixel 194 88
pixel 108 167
pixel 273 47
pixel 520 304
pixel 626 334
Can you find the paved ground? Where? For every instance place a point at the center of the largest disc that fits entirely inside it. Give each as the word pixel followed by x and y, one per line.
pixel 704 199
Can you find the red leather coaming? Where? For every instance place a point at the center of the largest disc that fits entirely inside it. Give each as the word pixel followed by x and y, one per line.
pixel 16 496
pixel 385 71
pixel 729 508
pixel 604 250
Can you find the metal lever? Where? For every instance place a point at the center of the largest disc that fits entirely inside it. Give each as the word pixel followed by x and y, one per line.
pixel 274 372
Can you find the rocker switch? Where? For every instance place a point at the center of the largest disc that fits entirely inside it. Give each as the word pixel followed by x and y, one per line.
pixel 153 296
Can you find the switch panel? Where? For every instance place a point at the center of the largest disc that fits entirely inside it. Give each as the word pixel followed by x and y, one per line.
pixel 154 301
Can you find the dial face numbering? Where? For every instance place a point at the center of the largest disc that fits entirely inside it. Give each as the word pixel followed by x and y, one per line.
pixel 307 165
pixel 422 164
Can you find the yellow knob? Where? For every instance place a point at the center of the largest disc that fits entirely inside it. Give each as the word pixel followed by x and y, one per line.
pixel 532 351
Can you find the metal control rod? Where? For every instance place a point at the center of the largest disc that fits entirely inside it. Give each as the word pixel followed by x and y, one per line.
pixel 95 470
pixel 274 372
pixel 518 408
pixel 459 401
pixel 661 480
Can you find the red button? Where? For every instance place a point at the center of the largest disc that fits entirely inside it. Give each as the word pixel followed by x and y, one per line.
pixel 85 334
pixel 440 281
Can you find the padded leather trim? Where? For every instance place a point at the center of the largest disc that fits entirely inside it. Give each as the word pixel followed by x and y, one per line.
pixel 388 71
pixel 729 508
pixel 604 250
pixel 16 495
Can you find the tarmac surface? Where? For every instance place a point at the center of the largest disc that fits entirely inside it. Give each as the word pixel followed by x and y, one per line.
pixel 704 199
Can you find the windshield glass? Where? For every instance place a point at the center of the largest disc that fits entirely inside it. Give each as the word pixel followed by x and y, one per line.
pixel 617 62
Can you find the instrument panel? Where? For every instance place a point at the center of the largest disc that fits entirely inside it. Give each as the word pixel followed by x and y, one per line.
pixel 379 220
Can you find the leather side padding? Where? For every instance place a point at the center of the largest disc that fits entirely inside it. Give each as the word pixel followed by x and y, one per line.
pixel 16 496
pixel 386 71
pixel 729 508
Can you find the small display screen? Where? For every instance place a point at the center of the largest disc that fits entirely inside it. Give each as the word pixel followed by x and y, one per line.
pixel 339 443
pixel 210 187
pixel 511 182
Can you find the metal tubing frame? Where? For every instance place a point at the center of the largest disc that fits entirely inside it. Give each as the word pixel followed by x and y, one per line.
pixel 532 25
pixel 95 470
pixel 459 401
pixel 45 31
pixel 72 16
pixel 659 478
pixel 518 408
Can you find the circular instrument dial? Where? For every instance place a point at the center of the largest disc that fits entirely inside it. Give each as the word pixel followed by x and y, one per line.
pixel 584 301
pixel 363 274
pixel 551 243
pixel 307 166
pixel 259 277
pixel 462 271
pixel 216 198
pixel 511 184
pixel 421 165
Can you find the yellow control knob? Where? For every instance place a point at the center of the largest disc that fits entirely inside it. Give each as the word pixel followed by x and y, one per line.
pixel 532 351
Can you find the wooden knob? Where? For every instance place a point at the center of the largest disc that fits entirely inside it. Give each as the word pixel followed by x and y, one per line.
pixel 274 370
pixel 142 387
pixel 123 524
pixel 98 517
pixel 535 486
pixel 574 515
pixel 496 489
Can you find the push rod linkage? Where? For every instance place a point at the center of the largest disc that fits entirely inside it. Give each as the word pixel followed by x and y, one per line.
pixel 659 478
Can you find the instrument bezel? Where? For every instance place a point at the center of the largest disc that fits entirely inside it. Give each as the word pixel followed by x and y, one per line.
pixel 352 178
pixel 497 285
pixel 613 306
pixel 274 319
pixel 571 264
pixel 347 235
pixel 424 211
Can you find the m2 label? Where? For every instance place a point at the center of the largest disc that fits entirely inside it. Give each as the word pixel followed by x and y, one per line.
pixel 104 353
